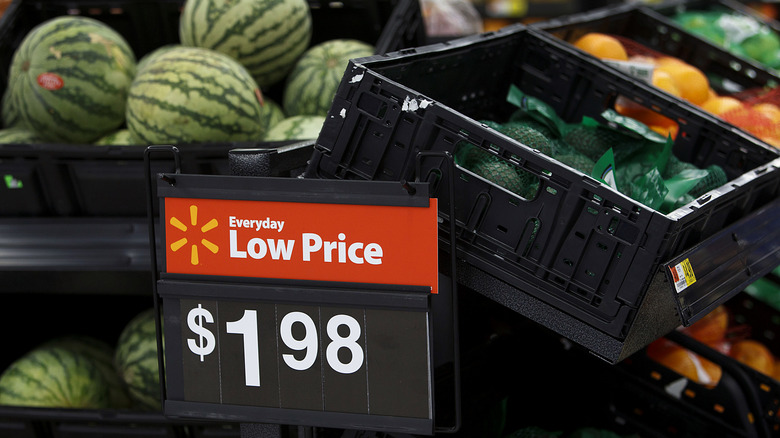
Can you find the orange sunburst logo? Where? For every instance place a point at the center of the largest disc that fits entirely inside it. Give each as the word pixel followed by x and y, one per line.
pixel 179 244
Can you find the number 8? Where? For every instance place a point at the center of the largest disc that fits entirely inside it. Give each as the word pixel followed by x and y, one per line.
pixel 338 342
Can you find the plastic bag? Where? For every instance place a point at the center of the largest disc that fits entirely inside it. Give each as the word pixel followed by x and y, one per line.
pixel 450 18
pixel 629 157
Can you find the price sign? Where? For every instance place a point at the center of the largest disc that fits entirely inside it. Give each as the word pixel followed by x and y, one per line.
pixel 306 357
pixel 299 362
pixel 310 313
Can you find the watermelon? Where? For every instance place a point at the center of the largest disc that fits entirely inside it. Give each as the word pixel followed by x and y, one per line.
pixel 296 128
pixel 120 137
pixel 70 78
pixel 313 82
pixel 149 57
pixel 54 377
pixel 265 36
pixel 192 95
pixel 273 114
pixel 9 115
pixel 102 355
pixel 136 360
pixel 19 135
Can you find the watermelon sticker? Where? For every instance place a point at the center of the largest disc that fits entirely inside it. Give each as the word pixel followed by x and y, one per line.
pixel 50 81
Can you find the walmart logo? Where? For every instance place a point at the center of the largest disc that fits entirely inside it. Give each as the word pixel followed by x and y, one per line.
pixel 179 244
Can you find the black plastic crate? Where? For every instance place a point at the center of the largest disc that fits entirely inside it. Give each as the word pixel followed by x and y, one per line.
pixel 744 402
pixel 727 72
pixel 579 257
pixel 670 8
pixel 59 180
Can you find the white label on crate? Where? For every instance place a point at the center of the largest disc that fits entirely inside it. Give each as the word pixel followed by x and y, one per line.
pixel 356 78
pixel 639 70
pixel 682 274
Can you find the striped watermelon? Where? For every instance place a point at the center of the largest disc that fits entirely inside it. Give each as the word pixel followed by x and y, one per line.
pixel 191 95
pixel 70 76
pixel 119 138
pixel 266 36
pixel 296 128
pixel 19 135
pixel 54 377
pixel 311 85
pixel 102 355
pixel 274 114
pixel 149 57
pixel 10 116
pixel 136 360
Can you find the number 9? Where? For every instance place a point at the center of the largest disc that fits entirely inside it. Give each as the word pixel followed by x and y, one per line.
pixel 308 343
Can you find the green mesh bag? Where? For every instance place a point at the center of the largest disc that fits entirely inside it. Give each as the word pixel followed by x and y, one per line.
pixel 523 132
pixel 577 161
pixel 715 178
pixel 496 170
pixel 593 141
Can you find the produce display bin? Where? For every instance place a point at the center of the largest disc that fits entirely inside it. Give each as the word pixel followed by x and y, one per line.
pixel 65 180
pixel 579 257
pixel 744 402
pixel 669 9
pixel 727 72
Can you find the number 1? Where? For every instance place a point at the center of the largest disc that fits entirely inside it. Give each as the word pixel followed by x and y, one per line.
pixel 247 326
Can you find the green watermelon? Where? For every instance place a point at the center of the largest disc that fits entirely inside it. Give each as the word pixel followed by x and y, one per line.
pixel 70 77
pixel 311 85
pixel 296 128
pixel 9 116
pixel 149 57
pixel 102 355
pixel 265 36
pixel 54 377
pixel 136 360
pixel 273 114
pixel 119 138
pixel 19 135
pixel 192 95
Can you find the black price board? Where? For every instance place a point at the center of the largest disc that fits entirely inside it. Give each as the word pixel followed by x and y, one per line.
pixel 269 311
pixel 347 363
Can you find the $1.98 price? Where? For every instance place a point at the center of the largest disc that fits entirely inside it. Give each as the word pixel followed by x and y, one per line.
pixel 204 343
pixel 301 356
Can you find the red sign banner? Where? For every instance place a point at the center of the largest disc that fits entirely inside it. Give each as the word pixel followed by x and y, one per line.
pixel 303 241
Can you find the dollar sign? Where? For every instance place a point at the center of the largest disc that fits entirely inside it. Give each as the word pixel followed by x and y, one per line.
pixel 195 321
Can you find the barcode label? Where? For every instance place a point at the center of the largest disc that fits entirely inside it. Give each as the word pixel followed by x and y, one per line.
pixel 682 275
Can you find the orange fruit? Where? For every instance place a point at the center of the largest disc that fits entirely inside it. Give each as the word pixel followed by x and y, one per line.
pixel 655 121
pixel 692 83
pixel 776 370
pixel 711 328
pixel 602 46
pixel 663 80
pixel 774 141
pixel 753 354
pixel 770 110
pixel 685 362
pixel 721 105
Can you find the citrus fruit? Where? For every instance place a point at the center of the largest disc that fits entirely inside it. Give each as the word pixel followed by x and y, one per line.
pixel 602 46
pixel 663 80
pixel 711 328
pixel 753 354
pixel 770 110
pixel 721 105
pixel 691 82
pixel 685 362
